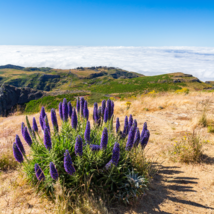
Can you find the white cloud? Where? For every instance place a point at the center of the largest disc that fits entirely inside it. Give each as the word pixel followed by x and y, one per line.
pixel 146 60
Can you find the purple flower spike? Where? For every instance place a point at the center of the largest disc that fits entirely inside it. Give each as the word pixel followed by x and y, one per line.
pixel 137 138
pixel 130 140
pixel 35 127
pixel 108 106
pixel 78 106
pixel 65 110
pixel 145 139
pixel 87 132
pixel 68 165
pixel 22 128
pixel 85 110
pixel 108 165
pixel 60 111
pixel 69 109
pixel 104 139
pixel 95 147
pixel 74 119
pixel 39 173
pixel 46 123
pixel 82 102
pixel 112 108
pixel 42 115
pixel 143 131
pixel 27 137
pixel 130 123
pixel 125 130
pixel 47 139
pixel 78 146
pixel 17 153
pixel 95 113
pixel 103 107
pixel 53 172
pixel 116 154
pixel 54 120
pixel 105 118
pixel 19 144
pixel 117 125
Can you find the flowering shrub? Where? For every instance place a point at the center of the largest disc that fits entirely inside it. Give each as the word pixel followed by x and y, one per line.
pixel 81 157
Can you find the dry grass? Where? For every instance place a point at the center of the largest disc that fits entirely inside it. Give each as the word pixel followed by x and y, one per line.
pixel 188 150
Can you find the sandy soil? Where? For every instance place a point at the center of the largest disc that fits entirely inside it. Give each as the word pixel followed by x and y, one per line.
pixel 176 188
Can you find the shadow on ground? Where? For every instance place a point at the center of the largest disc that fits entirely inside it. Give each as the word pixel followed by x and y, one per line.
pixel 166 181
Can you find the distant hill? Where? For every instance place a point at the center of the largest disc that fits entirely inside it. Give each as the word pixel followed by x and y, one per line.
pixel 99 79
pixel 9 66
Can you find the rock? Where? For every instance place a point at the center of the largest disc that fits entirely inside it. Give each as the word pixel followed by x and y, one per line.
pixel 11 96
pixel 194 80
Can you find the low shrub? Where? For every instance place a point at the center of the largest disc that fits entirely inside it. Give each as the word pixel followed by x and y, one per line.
pixel 203 120
pixel 7 161
pixel 188 150
pixel 85 159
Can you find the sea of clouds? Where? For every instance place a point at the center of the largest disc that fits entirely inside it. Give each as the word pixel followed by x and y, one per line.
pixel 197 61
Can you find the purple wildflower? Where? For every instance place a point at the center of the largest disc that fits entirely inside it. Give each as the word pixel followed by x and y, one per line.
pixel 27 137
pixel 42 115
pixel 22 128
pixel 117 125
pixel 109 164
pixel 125 130
pixel 19 144
pixel 130 140
pixel 17 153
pixel 74 119
pixel 47 139
pixel 94 147
pixel 65 110
pixel 116 154
pixel 68 165
pixel 145 139
pixel 35 127
pixel 60 111
pixel 112 108
pixel 137 138
pixel 105 118
pixel 104 139
pixel 103 107
pixel 78 146
pixel 69 109
pixel 85 110
pixel 82 102
pixel 95 113
pixel 130 122
pixel 78 106
pixel 108 106
pixel 143 131
pixel 39 173
pixel 46 123
pixel 53 172
pixel 87 132
pixel 54 120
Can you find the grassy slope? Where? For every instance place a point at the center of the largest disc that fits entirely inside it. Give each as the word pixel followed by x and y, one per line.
pixel 82 82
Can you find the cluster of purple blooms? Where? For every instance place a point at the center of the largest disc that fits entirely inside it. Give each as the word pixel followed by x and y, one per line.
pixel 132 131
pixel 66 111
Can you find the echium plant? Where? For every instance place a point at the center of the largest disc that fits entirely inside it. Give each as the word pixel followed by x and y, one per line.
pixel 78 155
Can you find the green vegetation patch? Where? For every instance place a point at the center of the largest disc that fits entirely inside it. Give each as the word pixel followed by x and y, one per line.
pixel 50 102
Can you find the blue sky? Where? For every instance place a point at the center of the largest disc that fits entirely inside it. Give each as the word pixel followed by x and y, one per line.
pixel 107 22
